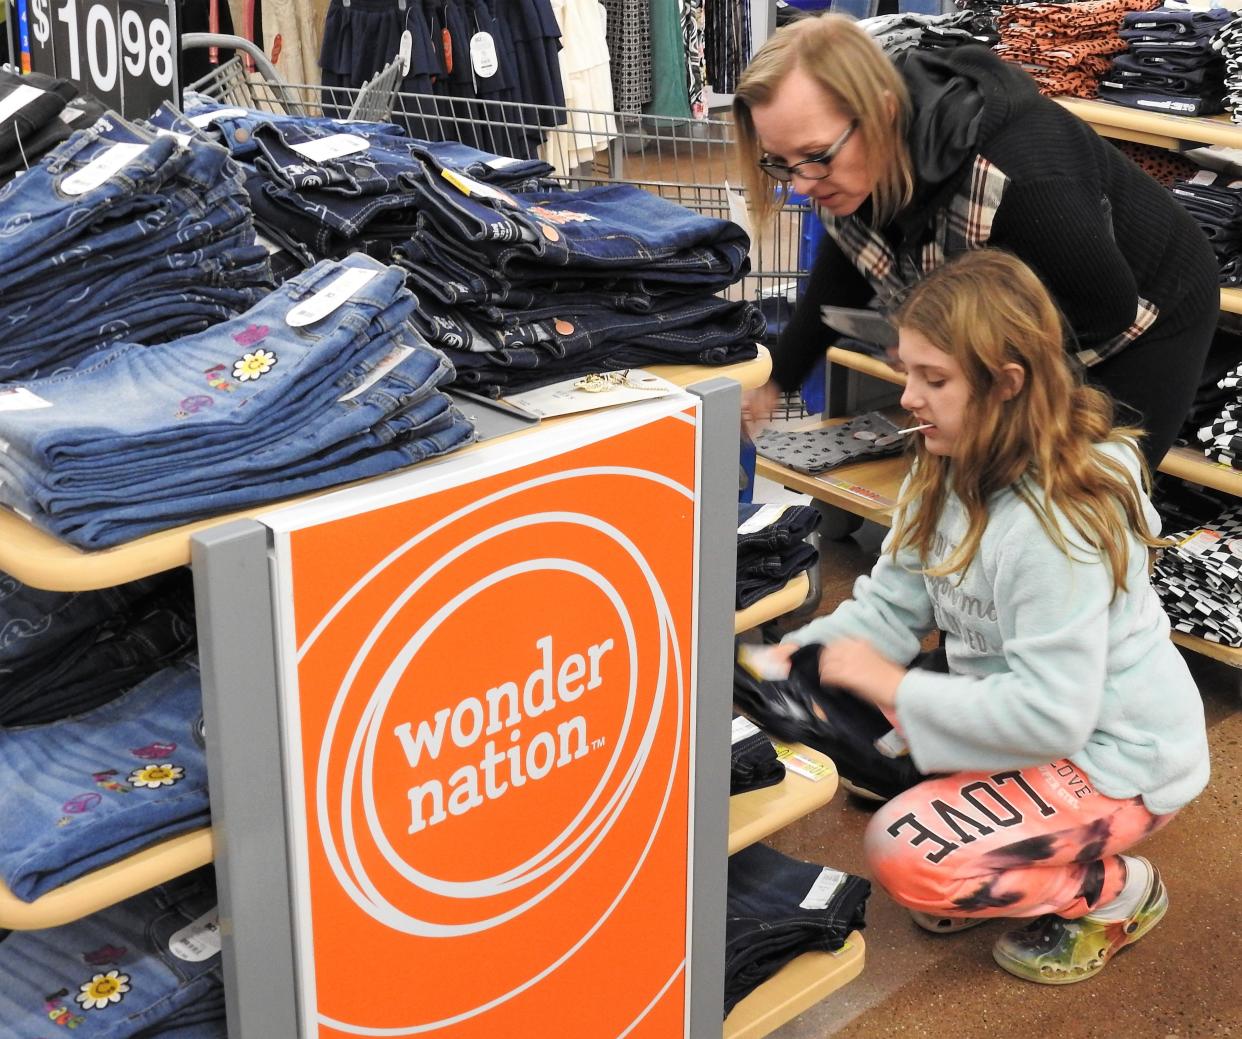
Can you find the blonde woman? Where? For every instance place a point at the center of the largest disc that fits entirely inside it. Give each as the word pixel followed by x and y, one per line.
pixel 909 164
pixel 1068 726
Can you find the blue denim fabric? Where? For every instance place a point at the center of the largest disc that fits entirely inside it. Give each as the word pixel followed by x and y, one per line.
pixel 399 403
pixel 160 238
pixel 106 528
pixel 101 663
pixel 236 131
pixel 598 231
pixel 688 327
pixel 794 524
pixel 51 975
pixel 131 401
pixel 36 623
pixel 766 924
pixel 194 439
pixel 767 574
pixel 81 793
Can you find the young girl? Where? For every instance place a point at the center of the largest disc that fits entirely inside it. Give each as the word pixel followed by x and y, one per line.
pixel 1068 727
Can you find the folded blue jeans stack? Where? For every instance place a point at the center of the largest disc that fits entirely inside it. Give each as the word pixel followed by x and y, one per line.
pixel 121 234
pixel 146 968
pixel 519 281
pixel 772 548
pixel 1170 64
pixel 255 409
pixel 64 653
pixel 93 789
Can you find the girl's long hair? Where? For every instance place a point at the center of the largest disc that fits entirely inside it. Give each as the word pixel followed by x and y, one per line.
pixel 857 78
pixel 987 309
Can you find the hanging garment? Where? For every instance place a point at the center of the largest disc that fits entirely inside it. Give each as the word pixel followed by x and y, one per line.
pixel 669 95
pixel 587 83
pixel 293 41
pixel 693 21
pixel 629 46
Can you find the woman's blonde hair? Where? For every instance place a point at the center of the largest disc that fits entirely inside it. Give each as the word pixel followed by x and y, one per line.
pixel 987 309
pixel 858 78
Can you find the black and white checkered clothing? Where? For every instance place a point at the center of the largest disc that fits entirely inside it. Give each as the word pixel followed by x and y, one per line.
pixel 1199 579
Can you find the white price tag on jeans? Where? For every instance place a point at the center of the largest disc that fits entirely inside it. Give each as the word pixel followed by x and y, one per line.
pixel 203 119
pixel 765 517
pixel 501 161
pixel 13 103
pixel 198 940
pixel 390 361
pixel 827 884
pixel 18 398
pixel 182 139
pixel 100 168
pixel 483 55
pixel 742 728
pixel 334 147
pixel 331 296
pixel 405 51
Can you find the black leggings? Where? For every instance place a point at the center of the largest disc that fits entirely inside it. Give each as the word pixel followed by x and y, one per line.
pixel 1155 378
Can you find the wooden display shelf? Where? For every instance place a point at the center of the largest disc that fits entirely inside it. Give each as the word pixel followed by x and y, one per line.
pixel 868 489
pixel 1173 132
pixel 795 987
pixel 108 885
pixel 1182 462
pixel 759 813
pixel 772 606
pixel 1214 650
pixel 43 561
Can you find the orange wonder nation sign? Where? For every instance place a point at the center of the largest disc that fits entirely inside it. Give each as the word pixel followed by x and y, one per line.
pixel 490 731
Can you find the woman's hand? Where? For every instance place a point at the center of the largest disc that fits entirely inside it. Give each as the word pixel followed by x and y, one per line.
pixel 757 407
pixel 855 665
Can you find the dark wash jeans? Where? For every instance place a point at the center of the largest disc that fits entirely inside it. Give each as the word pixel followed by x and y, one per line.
pixel 766 923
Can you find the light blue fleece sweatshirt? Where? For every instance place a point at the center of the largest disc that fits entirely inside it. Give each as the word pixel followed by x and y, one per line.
pixel 1044 662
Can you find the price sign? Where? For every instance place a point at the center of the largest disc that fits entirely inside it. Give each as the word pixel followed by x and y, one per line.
pixel 124 52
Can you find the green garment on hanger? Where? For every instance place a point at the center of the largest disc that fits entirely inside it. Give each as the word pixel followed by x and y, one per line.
pixel 669 95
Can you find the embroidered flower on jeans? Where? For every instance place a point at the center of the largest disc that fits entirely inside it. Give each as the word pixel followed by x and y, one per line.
pixel 103 990
pixel 154 776
pixel 251 366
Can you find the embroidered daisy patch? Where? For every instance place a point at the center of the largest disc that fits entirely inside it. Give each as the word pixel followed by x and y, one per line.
pixel 103 990
pixel 251 366
pixel 155 776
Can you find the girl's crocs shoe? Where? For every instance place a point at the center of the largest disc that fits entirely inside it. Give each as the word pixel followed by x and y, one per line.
pixel 1055 951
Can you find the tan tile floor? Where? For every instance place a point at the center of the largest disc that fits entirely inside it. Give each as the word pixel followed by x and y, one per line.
pixel 1183 981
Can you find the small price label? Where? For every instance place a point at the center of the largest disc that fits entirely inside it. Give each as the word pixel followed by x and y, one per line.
pixel 100 168
pixel 331 296
pixel 801 764
pixel 18 398
pixel 334 146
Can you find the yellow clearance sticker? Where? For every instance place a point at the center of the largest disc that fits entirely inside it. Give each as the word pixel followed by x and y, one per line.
pixel 802 764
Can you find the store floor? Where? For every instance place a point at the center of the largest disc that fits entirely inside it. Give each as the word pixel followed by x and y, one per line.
pixel 1182 981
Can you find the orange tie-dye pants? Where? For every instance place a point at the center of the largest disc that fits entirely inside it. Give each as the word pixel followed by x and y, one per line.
pixel 1012 843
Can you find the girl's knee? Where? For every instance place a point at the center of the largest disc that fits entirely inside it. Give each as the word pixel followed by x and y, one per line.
pixel 900 867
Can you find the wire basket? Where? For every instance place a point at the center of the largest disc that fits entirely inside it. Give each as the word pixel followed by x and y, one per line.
pixel 690 162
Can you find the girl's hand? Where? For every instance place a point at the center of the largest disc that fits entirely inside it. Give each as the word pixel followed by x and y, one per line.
pixel 855 665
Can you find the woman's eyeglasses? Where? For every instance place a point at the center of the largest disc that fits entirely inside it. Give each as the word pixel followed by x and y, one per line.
pixel 815 168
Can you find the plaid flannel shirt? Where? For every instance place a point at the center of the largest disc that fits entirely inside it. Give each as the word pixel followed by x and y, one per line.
pixel 964 223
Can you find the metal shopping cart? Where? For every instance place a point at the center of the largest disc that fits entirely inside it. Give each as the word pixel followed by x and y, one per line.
pixel 690 162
